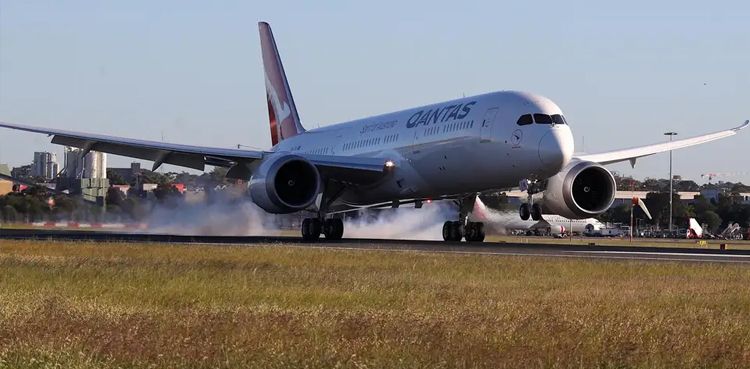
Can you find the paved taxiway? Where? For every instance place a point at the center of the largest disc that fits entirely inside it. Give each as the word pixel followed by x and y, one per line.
pixel 487 248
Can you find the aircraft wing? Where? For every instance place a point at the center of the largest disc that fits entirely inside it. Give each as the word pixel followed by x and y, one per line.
pixel 194 157
pixel 637 152
pixel 355 170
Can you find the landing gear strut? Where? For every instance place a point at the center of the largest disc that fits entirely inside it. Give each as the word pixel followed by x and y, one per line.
pixel 530 209
pixel 331 228
pixel 456 230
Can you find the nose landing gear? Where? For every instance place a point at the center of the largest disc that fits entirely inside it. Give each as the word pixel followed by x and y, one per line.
pixel 530 209
pixel 534 211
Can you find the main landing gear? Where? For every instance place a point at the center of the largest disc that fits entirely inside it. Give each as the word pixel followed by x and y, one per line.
pixel 331 228
pixel 456 230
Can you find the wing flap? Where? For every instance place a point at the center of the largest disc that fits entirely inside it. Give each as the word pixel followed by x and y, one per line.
pixel 641 151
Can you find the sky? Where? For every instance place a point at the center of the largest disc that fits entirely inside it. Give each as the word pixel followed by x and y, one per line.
pixel 622 72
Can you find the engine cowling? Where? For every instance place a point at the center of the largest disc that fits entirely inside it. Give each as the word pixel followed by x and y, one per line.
pixel 284 183
pixel 556 229
pixel 581 190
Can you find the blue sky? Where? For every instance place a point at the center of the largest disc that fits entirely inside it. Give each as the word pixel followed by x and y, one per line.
pixel 623 73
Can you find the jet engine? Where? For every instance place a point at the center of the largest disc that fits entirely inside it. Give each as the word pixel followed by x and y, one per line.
pixel 284 183
pixel 556 229
pixel 581 190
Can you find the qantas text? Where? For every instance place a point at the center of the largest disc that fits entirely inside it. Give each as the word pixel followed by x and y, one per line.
pixel 444 114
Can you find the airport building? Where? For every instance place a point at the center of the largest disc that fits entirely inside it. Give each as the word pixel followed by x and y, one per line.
pixel 93 165
pixel 23 171
pixel 85 175
pixel 45 165
pixel 128 174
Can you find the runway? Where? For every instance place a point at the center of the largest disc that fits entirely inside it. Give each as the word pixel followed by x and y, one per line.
pixel 485 248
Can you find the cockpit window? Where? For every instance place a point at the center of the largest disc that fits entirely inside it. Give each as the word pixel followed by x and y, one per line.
pixel 558 119
pixel 542 119
pixel 524 120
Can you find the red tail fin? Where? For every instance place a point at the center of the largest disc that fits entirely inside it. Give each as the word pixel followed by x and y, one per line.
pixel 282 112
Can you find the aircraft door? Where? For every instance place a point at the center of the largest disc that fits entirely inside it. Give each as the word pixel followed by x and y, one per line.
pixel 334 147
pixel 416 142
pixel 486 129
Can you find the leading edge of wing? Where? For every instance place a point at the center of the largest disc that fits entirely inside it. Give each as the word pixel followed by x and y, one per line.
pixel 199 150
pixel 641 151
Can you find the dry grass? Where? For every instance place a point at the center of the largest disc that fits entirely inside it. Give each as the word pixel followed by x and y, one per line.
pixel 625 241
pixel 87 305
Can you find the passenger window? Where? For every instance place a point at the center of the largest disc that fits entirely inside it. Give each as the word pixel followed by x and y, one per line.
pixel 558 119
pixel 524 120
pixel 542 119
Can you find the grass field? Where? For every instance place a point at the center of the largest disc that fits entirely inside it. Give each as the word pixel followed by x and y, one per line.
pixel 87 305
pixel 638 242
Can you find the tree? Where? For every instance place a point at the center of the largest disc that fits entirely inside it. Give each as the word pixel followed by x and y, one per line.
pixel 652 185
pixel 164 191
pixel 740 188
pixel 702 205
pixel 658 205
pixel 711 219
pixel 115 196
pixel 216 177
pixel 115 178
pixel 9 213
pixel 618 214
pixel 154 177
pixel 686 186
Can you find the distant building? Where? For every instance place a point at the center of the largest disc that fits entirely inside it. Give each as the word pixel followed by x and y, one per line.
pixel 128 174
pixel 21 172
pixel 93 165
pixel 45 165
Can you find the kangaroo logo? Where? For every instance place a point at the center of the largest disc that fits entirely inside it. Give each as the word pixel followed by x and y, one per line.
pixel 281 107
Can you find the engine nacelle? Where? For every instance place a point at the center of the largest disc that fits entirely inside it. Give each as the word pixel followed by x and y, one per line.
pixel 555 229
pixel 583 189
pixel 284 183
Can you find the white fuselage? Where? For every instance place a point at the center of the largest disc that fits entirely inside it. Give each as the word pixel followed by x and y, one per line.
pixel 461 146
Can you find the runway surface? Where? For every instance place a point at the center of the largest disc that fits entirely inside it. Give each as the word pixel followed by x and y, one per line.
pixel 487 248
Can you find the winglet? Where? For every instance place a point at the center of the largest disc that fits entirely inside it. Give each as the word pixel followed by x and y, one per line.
pixel 747 122
pixel 282 112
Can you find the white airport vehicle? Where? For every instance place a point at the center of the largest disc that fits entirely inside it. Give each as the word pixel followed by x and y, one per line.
pixel 449 150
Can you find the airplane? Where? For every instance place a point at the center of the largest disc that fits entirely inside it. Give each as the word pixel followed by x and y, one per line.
pixel 551 224
pixel 448 151
pixel 694 230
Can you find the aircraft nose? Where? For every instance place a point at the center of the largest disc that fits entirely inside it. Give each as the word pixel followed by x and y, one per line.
pixel 556 149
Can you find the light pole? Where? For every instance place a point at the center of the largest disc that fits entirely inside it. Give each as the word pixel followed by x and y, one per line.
pixel 670 134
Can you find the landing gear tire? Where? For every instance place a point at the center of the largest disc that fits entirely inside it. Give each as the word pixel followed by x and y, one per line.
pixel 453 231
pixel 333 229
pixel 536 212
pixel 475 232
pixel 311 228
pixel 524 211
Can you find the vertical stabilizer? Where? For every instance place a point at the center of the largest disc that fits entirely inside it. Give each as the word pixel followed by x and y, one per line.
pixel 282 112
pixel 695 230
